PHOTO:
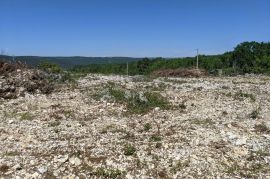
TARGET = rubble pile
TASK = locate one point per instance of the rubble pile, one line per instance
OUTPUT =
(17, 79)
(216, 127)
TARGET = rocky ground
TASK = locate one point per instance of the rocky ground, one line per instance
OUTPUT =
(135, 127)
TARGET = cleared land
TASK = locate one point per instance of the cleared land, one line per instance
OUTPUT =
(123, 127)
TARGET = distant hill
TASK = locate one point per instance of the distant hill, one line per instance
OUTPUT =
(69, 62)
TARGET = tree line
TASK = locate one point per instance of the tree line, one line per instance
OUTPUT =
(247, 57)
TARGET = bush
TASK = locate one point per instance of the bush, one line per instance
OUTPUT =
(50, 67)
(139, 106)
(129, 150)
(107, 173)
(240, 95)
(147, 126)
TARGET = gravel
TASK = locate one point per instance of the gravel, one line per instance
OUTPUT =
(209, 132)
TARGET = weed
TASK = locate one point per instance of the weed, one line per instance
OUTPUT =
(140, 106)
(175, 81)
(129, 150)
(155, 138)
(147, 126)
(12, 153)
(254, 114)
(118, 95)
(180, 165)
(54, 123)
(203, 122)
(262, 128)
(56, 130)
(26, 116)
(241, 95)
(107, 173)
(259, 154)
(182, 105)
(232, 168)
(159, 87)
(158, 145)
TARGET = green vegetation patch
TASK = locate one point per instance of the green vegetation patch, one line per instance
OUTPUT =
(129, 150)
(108, 173)
(26, 116)
(135, 102)
(241, 96)
(147, 101)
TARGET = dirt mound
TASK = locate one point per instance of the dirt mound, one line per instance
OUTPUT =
(181, 72)
(17, 79)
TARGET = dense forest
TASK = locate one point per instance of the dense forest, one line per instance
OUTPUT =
(247, 57)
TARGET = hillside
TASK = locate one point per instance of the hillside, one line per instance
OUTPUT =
(69, 62)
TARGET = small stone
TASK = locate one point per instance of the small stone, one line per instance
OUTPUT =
(17, 167)
(75, 161)
(10, 121)
(61, 159)
(35, 175)
(241, 141)
(42, 169)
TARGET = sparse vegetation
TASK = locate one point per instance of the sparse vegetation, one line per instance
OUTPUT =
(138, 105)
(254, 114)
(262, 128)
(54, 123)
(203, 122)
(26, 116)
(147, 126)
(180, 165)
(129, 150)
(155, 138)
(241, 96)
(117, 94)
(108, 173)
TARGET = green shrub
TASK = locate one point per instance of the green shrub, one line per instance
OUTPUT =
(140, 106)
(254, 114)
(155, 138)
(26, 116)
(118, 95)
(107, 173)
(49, 67)
(147, 126)
(241, 95)
(129, 150)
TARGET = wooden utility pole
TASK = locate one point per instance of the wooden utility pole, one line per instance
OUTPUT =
(197, 58)
(127, 68)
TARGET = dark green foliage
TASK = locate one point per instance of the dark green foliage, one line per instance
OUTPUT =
(247, 57)
(143, 66)
(254, 114)
(147, 126)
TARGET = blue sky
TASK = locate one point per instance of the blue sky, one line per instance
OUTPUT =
(136, 28)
